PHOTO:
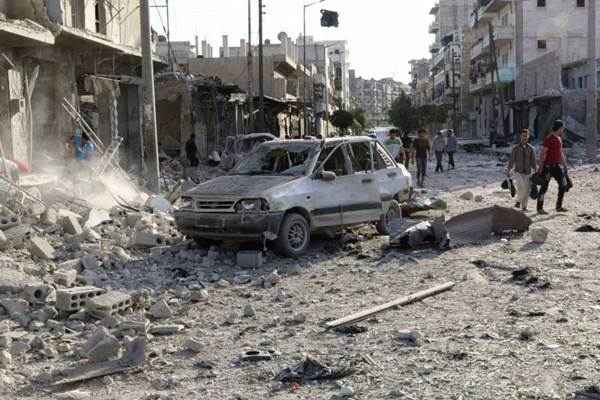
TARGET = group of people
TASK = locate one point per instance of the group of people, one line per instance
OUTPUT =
(420, 149)
(552, 164)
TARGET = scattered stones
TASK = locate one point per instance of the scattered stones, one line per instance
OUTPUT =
(5, 341)
(249, 311)
(408, 337)
(74, 395)
(5, 359)
(539, 235)
(526, 333)
(468, 196)
(64, 347)
(344, 393)
(161, 310)
(478, 199)
(199, 295)
(169, 329)
(222, 284)
(15, 306)
(101, 346)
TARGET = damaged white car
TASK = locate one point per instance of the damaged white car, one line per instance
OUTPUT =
(286, 190)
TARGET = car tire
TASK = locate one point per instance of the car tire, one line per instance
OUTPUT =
(294, 236)
(384, 226)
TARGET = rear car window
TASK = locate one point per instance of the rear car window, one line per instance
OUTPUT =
(360, 156)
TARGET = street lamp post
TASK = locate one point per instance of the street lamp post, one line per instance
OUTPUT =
(304, 60)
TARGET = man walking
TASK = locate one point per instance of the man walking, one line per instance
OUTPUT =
(451, 147)
(191, 151)
(393, 144)
(552, 162)
(422, 150)
(522, 161)
(439, 147)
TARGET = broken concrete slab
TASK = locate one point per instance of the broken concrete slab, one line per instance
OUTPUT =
(133, 358)
(161, 310)
(71, 225)
(163, 330)
(479, 225)
(49, 217)
(96, 217)
(15, 306)
(40, 248)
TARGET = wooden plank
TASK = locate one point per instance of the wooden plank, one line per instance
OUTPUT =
(362, 315)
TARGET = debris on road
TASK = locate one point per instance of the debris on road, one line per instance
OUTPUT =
(311, 369)
(365, 314)
(423, 234)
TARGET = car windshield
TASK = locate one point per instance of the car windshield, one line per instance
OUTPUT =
(287, 159)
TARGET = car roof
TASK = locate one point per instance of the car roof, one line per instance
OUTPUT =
(330, 141)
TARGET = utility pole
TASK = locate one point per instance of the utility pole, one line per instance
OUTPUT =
(304, 70)
(169, 49)
(250, 72)
(150, 134)
(261, 84)
(498, 94)
(454, 97)
(592, 100)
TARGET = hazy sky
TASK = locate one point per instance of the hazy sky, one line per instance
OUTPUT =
(383, 35)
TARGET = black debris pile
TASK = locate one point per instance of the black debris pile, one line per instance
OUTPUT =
(311, 369)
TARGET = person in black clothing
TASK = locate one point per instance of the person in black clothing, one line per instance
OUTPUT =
(191, 151)
(407, 145)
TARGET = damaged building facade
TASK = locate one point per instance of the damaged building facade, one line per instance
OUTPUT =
(78, 52)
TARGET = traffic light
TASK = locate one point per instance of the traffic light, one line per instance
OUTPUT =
(329, 19)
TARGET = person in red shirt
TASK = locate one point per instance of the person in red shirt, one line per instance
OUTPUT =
(553, 164)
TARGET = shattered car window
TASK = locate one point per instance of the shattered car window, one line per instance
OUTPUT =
(278, 159)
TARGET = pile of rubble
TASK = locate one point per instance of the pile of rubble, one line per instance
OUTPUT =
(57, 295)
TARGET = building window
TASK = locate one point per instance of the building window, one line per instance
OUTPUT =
(541, 3)
(78, 14)
(580, 3)
(100, 14)
(580, 82)
(541, 44)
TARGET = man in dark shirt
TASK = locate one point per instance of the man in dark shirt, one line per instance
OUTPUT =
(553, 164)
(191, 151)
(422, 150)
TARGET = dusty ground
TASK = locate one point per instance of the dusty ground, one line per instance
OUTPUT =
(488, 338)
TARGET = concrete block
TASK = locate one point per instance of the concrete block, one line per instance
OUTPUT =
(37, 294)
(8, 222)
(110, 303)
(146, 238)
(96, 217)
(71, 264)
(62, 212)
(66, 277)
(161, 310)
(250, 259)
(72, 300)
(71, 225)
(15, 307)
(18, 234)
(49, 217)
(40, 248)
(107, 349)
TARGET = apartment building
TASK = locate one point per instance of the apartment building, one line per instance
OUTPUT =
(420, 84)
(85, 51)
(493, 27)
(551, 61)
(375, 97)
(283, 77)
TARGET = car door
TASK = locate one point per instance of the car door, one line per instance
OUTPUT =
(365, 202)
(390, 177)
(326, 197)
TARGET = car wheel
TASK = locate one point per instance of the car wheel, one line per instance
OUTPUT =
(294, 236)
(391, 219)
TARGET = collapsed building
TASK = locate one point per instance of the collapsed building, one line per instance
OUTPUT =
(72, 54)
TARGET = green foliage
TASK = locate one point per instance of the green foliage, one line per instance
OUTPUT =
(342, 120)
(410, 118)
(360, 119)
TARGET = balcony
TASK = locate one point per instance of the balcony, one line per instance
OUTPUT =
(493, 6)
(434, 27)
(434, 48)
(483, 83)
(504, 34)
(438, 60)
(435, 9)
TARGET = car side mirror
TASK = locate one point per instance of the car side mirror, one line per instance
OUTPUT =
(327, 176)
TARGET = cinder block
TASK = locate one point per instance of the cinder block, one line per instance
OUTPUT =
(37, 294)
(109, 304)
(71, 225)
(145, 238)
(72, 300)
(250, 259)
(18, 233)
(66, 277)
(8, 222)
(41, 248)
(49, 217)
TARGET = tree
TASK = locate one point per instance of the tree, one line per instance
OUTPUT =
(404, 115)
(342, 120)
(359, 120)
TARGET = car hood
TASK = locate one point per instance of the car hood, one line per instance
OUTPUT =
(240, 185)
